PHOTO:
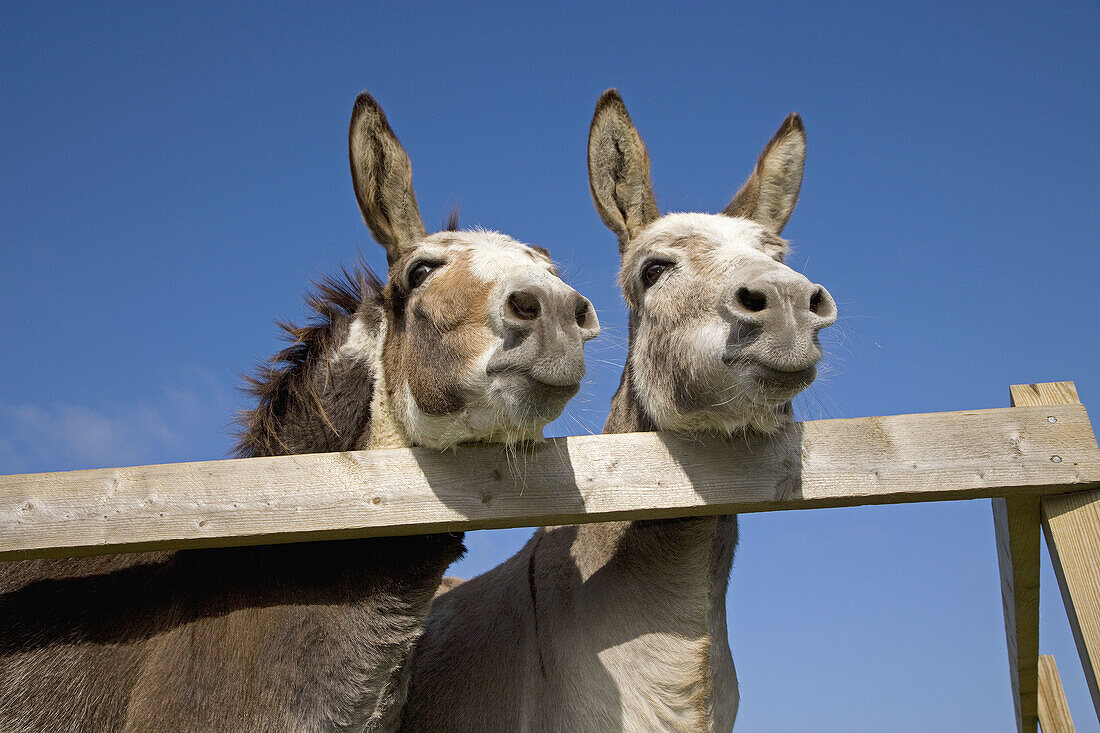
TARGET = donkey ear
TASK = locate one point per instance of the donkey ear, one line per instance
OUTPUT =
(771, 192)
(618, 170)
(382, 176)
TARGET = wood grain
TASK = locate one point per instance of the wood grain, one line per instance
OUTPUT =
(1044, 393)
(874, 460)
(1017, 528)
(1016, 522)
(1071, 524)
(1054, 714)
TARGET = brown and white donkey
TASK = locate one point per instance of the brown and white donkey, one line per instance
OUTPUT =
(474, 338)
(622, 626)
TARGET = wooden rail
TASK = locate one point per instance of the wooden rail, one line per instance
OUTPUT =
(1009, 452)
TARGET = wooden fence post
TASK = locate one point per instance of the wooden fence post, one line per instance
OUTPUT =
(1054, 714)
(1071, 523)
(1016, 524)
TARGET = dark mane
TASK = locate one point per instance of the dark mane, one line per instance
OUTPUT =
(450, 223)
(288, 378)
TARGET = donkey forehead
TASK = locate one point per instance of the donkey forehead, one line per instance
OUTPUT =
(489, 256)
(707, 235)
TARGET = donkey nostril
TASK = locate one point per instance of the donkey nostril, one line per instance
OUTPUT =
(752, 300)
(816, 300)
(581, 313)
(524, 306)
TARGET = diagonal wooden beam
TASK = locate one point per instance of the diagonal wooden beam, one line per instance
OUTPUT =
(1071, 524)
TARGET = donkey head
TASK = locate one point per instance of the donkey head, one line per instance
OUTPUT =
(723, 334)
(483, 340)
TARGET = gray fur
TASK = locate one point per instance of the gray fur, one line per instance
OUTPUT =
(771, 192)
(618, 170)
(382, 177)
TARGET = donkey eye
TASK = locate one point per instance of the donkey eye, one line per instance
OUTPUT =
(653, 271)
(419, 273)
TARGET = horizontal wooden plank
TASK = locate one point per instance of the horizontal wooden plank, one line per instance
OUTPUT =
(827, 463)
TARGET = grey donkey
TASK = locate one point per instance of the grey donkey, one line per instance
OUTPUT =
(621, 626)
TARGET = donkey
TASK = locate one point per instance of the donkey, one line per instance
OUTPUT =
(474, 338)
(622, 626)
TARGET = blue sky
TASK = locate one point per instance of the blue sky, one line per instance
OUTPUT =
(175, 174)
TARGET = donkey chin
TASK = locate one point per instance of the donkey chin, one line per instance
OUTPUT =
(505, 407)
(766, 386)
(772, 383)
(735, 393)
(529, 396)
(529, 402)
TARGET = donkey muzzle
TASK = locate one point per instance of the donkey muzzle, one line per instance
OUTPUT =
(545, 326)
(777, 316)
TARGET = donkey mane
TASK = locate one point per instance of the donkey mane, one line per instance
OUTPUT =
(289, 376)
(450, 222)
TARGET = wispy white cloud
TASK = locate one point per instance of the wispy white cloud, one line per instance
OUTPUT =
(80, 431)
(187, 420)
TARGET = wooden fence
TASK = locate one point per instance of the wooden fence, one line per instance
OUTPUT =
(1037, 460)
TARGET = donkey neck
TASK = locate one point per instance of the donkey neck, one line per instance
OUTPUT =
(628, 415)
(386, 431)
(677, 572)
